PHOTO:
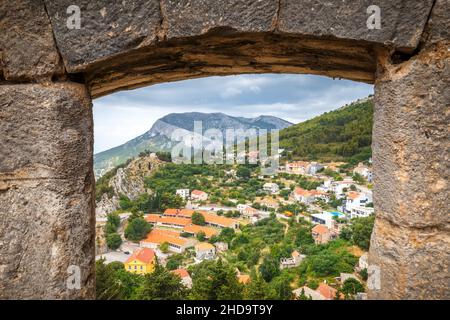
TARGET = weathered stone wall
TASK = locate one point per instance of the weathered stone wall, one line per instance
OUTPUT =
(411, 156)
(130, 44)
(46, 180)
(46, 191)
(411, 239)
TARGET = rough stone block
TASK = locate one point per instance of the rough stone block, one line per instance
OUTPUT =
(42, 132)
(438, 28)
(414, 263)
(402, 21)
(27, 48)
(184, 18)
(411, 141)
(107, 28)
(46, 192)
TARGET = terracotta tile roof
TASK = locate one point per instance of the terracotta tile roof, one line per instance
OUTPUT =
(159, 236)
(250, 210)
(320, 229)
(194, 229)
(152, 218)
(302, 192)
(204, 246)
(295, 253)
(298, 164)
(326, 291)
(183, 213)
(144, 255)
(182, 273)
(197, 192)
(353, 195)
(218, 220)
(244, 278)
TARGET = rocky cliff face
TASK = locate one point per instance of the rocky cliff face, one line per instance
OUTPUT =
(128, 181)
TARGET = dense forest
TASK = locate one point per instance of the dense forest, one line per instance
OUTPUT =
(343, 134)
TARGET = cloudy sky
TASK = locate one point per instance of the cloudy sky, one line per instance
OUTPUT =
(123, 116)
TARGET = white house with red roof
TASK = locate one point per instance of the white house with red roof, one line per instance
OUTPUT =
(186, 279)
(198, 195)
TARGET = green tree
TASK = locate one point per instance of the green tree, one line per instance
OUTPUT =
(161, 284)
(164, 247)
(303, 296)
(350, 287)
(137, 229)
(243, 172)
(270, 268)
(174, 261)
(113, 241)
(201, 236)
(215, 281)
(198, 219)
(258, 289)
(364, 274)
(362, 231)
(112, 223)
(107, 285)
(282, 287)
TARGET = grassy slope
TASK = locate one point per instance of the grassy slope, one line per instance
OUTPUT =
(342, 134)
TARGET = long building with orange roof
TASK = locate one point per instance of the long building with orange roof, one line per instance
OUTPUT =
(214, 220)
(158, 236)
(180, 213)
(167, 221)
(195, 229)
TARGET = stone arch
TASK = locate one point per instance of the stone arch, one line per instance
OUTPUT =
(51, 69)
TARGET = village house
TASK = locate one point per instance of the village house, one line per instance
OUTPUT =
(303, 196)
(329, 293)
(364, 171)
(176, 243)
(186, 279)
(321, 234)
(356, 199)
(359, 212)
(221, 247)
(142, 261)
(183, 193)
(297, 167)
(204, 251)
(241, 207)
(197, 195)
(326, 186)
(313, 168)
(308, 292)
(292, 262)
(270, 203)
(250, 212)
(271, 187)
(339, 187)
(326, 218)
(309, 196)
(323, 292)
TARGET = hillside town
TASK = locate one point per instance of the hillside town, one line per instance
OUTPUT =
(304, 200)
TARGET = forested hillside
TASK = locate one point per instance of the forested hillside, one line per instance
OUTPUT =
(342, 134)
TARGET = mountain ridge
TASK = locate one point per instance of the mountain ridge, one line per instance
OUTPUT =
(158, 138)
